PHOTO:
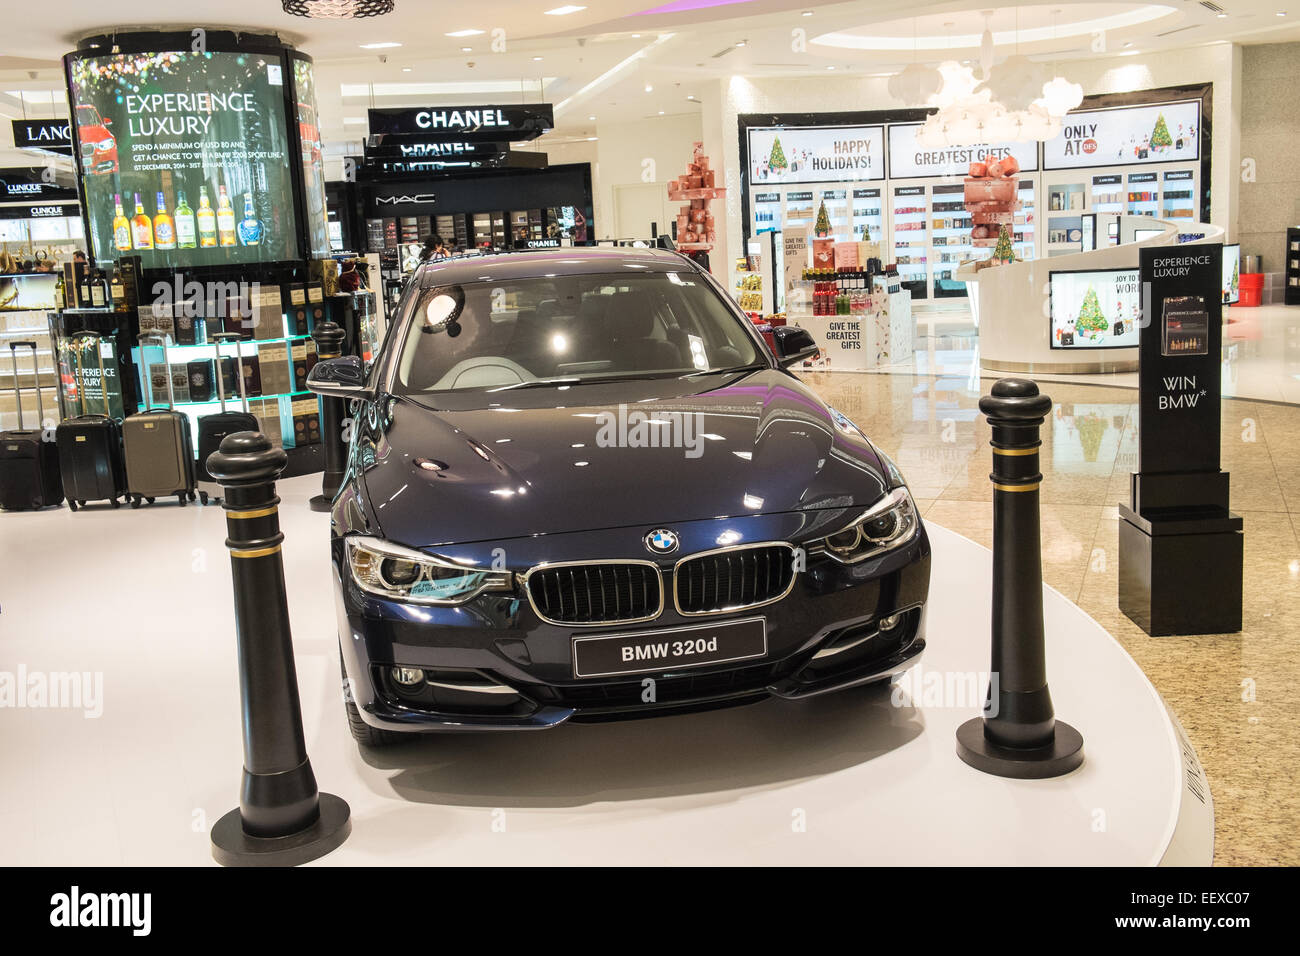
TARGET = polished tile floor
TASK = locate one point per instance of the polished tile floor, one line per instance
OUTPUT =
(1261, 351)
(1234, 693)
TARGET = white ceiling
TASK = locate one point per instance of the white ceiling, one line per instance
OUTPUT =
(598, 62)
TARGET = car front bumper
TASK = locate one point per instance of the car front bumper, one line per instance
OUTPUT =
(493, 664)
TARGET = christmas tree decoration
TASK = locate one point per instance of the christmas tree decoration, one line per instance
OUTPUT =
(776, 161)
(1091, 319)
(1160, 138)
(1003, 251)
(696, 228)
(823, 228)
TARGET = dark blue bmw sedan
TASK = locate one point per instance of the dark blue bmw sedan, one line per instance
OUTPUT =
(582, 487)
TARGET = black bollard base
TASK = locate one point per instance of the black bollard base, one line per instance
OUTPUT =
(231, 846)
(320, 503)
(1063, 755)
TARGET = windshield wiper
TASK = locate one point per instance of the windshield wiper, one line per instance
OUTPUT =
(757, 366)
(536, 383)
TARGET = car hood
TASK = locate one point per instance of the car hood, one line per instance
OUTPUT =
(457, 468)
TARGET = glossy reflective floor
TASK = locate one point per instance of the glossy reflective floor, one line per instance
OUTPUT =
(1235, 694)
(1261, 347)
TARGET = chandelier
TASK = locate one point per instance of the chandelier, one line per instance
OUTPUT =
(337, 9)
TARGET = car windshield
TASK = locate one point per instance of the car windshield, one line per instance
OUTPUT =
(569, 329)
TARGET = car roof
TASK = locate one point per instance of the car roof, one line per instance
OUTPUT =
(573, 260)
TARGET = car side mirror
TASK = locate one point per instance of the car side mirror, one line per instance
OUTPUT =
(793, 344)
(343, 377)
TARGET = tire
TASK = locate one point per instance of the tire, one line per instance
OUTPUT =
(203, 497)
(150, 500)
(362, 732)
(135, 502)
(182, 499)
(72, 505)
(115, 503)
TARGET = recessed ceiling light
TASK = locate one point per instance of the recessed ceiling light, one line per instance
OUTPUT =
(830, 67)
(406, 69)
(537, 59)
(807, 13)
(636, 36)
(740, 42)
(564, 11)
(464, 33)
(385, 45)
(661, 112)
(591, 118)
(591, 139)
(467, 49)
(649, 88)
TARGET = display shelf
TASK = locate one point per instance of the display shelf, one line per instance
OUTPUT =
(1291, 272)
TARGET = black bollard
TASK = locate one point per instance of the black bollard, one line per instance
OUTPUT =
(282, 820)
(329, 338)
(1022, 738)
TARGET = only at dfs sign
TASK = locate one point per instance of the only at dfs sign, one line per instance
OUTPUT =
(1126, 135)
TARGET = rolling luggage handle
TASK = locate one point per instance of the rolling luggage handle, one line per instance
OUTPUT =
(171, 393)
(219, 338)
(18, 392)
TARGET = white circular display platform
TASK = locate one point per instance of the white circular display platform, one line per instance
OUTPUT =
(868, 776)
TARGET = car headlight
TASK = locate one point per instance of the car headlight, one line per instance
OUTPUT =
(890, 522)
(104, 145)
(392, 571)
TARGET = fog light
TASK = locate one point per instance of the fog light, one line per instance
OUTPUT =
(407, 676)
(891, 622)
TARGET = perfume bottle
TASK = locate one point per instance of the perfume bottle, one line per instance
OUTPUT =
(164, 232)
(121, 226)
(225, 218)
(250, 227)
(207, 220)
(186, 232)
(141, 227)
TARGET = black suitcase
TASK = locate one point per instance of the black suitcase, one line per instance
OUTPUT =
(213, 428)
(159, 447)
(90, 447)
(29, 465)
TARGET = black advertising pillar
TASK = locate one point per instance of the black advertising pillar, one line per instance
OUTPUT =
(329, 338)
(1019, 735)
(282, 819)
(1180, 548)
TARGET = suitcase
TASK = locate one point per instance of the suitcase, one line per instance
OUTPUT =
(213, 428)
(29, 465)
(90, 447)
(159, 448)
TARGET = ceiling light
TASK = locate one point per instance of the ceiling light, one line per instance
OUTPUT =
(537, 59)
(636, 36)
(661, 112)
(406, 69)
(467, 49)
(740, 42)
(464, 33)
(649, 88)
(591, 118)
(564, 11)
(807, 13)
(1222, 16)
(830, 67)
(591, 139)
(383, 45)
(336, 9)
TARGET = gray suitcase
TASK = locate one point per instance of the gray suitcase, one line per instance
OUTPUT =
(159, 445)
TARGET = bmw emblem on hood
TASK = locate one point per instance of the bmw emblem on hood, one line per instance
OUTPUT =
(661, 541)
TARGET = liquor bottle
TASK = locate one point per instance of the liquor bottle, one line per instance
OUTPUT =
(186, 232)
(164, 232)
(225, 218)
(250, 227)
(121, 226)
(207, 220)
(141, 227)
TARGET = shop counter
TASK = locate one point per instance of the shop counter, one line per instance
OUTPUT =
(882, 335)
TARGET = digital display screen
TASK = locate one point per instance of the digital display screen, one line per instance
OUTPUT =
(35, 291)
(313, 163)
(1231, 273)
(1098, 309)
(185, 157)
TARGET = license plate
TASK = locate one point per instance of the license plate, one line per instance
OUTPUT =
(644, 651)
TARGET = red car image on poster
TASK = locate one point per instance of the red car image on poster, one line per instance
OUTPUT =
(98, 146)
